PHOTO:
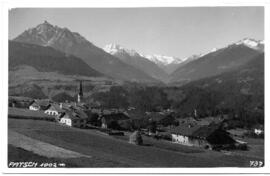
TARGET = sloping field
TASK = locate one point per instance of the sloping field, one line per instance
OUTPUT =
(40, 148)
(89, 142)
(17, 154)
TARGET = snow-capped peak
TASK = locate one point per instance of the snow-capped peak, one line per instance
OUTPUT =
(251, 43)
(115, 48)
(163, 60)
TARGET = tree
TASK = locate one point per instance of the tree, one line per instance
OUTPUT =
(116, 97)
(152, 127)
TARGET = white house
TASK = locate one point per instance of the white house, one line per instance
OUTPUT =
(258, 131)
(54, 109)
(39, 105)
(74, 119)
(34, 106)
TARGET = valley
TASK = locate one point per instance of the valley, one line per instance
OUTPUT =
(73, 102)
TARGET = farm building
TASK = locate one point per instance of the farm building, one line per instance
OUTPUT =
(207, 136)
(39, 105)
(74, 119)
(110, 120)
(54, 109)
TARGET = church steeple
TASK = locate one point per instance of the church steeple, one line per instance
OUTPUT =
(80, 94)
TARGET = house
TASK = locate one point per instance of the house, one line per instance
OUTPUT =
(206, 136)
(73, 119)
(258, 131)
(54, 109)
(110, 120)
(39, 105)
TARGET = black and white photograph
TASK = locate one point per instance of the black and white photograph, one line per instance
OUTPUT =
(136, 87)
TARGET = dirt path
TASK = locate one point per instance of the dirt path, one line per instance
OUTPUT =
(41, 148)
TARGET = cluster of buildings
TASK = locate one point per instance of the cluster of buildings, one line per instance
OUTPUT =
(207, 133)
(73, 114)
(70, 114)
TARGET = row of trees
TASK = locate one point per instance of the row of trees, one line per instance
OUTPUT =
(143, 99)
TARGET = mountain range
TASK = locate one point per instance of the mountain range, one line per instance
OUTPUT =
(72, 43)
(52, 48)
(214, 63)
(131, 57)
(239, 90)
(47, 59)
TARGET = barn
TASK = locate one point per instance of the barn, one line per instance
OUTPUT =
(206, 136)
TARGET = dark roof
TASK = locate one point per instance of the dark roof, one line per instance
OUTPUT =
(69, 114)
(43, 103)
(75, 114)
(55, 107)
(202, 121)
(205, 131)
(185, 129)
(198, 131)
(209, 120)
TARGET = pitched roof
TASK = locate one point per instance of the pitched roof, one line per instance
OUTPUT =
(209, 120)
(205, 131)
(55, 107)
(198, 131)
(69, 114)
(75, 114)
(202, 121)
(41, 102)
(185, 129)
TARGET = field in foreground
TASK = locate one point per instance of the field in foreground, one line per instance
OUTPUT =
(107, 151)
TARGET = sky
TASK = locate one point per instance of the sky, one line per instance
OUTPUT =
(175, 31)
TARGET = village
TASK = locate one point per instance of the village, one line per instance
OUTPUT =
(207, 133)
